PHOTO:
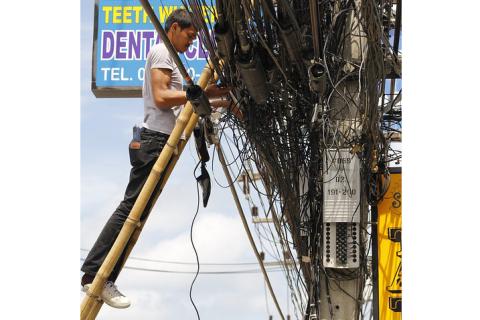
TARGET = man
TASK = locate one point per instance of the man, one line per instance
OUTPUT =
(163, 100)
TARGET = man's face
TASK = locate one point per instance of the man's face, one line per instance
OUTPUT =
(183, 38)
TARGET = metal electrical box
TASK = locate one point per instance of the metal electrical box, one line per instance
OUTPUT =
(341, 186)
(341, 245)
(341, 209)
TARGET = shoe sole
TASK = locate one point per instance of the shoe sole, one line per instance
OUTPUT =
(113, 306)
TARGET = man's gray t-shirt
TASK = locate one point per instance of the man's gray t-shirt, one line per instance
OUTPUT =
(162, 120)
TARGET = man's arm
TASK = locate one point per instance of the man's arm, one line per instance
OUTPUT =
(163, 96)
(166, 98)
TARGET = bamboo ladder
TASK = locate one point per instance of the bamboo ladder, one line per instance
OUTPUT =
(187, 120)
(163, 167)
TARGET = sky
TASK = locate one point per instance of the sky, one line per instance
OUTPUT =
(106, 126)
(42, 120)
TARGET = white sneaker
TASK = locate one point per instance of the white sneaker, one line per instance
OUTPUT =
(111, 296)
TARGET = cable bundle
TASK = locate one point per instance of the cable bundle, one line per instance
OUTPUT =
(308, 76)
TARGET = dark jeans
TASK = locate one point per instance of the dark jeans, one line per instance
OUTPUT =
(142, 159)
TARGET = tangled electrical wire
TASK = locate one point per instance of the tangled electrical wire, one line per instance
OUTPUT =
(309, 76)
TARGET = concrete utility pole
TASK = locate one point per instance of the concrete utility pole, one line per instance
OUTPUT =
(340, 299)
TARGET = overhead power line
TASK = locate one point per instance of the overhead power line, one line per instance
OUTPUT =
(191, 263)
(201, 272)
(205, 272)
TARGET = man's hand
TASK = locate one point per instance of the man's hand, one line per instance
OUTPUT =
(214, 91)
(220, 102)
(225, 102)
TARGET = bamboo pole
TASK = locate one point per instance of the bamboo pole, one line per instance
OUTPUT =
(247, 229)
(91, 303)
(95, 309)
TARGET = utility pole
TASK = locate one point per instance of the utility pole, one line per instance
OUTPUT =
(344, 216)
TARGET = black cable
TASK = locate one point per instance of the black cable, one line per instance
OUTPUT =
(193, 245)
(281, 138)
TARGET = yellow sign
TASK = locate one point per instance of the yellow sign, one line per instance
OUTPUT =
(389, 231)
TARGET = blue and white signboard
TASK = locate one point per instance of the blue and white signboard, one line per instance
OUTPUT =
(123, 36)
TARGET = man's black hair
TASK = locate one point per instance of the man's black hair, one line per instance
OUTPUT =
(181, 16)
